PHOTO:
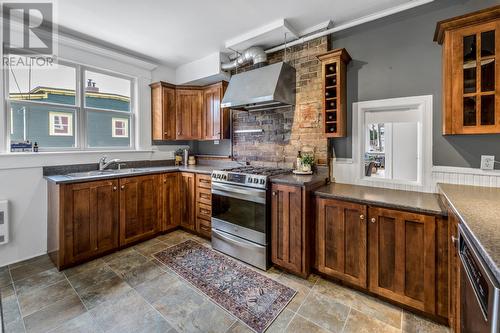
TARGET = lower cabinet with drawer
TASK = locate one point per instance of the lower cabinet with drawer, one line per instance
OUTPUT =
(203, 205)
(398, 255)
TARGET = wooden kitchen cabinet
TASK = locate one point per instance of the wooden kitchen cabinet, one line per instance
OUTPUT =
(189, 103)
(215, 120)
(288, 229)
(454, 267)
(402, 257)
(187, 203)
(334, 89)
(138, 208)
(204, 205)
(163, 111)
(341, 246)
(471, 72)
(189, 112)
(169, 201)
(90, 220)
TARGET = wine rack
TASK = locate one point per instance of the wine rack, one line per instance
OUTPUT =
(333, 73)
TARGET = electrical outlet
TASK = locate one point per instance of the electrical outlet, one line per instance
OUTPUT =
(487, 162)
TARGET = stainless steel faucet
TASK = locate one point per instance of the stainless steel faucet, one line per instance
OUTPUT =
(103, 164)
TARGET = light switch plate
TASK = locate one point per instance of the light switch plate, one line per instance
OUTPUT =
(487, 162)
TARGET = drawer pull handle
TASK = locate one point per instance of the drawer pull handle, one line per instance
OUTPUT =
(361, 217)
(373, 220)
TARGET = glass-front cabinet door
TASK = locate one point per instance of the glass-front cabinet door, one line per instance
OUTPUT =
(475, 92)
(471, 75)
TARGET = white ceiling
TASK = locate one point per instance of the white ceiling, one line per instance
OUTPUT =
(175, 32)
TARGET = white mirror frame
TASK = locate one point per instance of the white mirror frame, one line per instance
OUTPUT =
(421, 104)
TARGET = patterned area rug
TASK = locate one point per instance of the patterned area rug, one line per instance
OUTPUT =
(253, 298)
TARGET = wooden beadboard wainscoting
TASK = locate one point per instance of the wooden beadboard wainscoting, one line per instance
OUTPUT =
(344, 172)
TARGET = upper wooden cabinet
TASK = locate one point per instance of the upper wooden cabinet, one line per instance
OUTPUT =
(333, 74)
(188, 112)
(471, 72)
(215, 121)
(341, 233)
(163, 111)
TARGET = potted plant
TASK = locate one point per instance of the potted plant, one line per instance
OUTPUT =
(307, 163)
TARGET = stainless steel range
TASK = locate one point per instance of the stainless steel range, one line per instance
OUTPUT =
(241, 213)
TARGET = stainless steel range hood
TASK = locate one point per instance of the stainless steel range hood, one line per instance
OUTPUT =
(264, 88)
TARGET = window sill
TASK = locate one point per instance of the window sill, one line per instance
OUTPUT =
(37, 160)
(69, 152)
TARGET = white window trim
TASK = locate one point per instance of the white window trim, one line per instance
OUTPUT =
(81, 142)
(417, 103)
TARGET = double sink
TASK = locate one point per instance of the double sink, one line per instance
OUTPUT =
(109, 172)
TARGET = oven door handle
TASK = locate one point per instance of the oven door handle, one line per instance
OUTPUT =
(232, 239)
(258, 196)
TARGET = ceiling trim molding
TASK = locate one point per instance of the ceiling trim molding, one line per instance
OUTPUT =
(104, 51)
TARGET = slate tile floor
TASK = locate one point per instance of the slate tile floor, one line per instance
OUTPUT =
(129, 291)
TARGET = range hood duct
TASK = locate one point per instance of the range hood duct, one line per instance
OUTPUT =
(255, 54)
(264, 88)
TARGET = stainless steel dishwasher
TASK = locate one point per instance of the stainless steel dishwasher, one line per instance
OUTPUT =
(479, 291)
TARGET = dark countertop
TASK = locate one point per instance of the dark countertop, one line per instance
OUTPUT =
(300, 180)
(418, 202)
(65, 179)
(478, 209)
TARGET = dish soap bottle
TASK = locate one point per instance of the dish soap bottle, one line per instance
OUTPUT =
(35, 147)
(299, 161)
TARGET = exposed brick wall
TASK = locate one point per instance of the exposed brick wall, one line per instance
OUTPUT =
(287, 130)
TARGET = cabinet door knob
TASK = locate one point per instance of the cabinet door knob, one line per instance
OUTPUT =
(122, 187)
(373, 220)
(114, 188)
(361, 217)
(454, 239)
(274, 192)
(164, 181)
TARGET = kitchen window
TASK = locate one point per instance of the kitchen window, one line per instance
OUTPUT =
(70, 107)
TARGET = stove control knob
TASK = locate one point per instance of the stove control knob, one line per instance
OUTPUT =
(262, 181)
(249, 179)
(218, 176)
(224, 177)
(255, 180)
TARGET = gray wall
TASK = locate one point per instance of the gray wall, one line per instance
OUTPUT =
(396, 57)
